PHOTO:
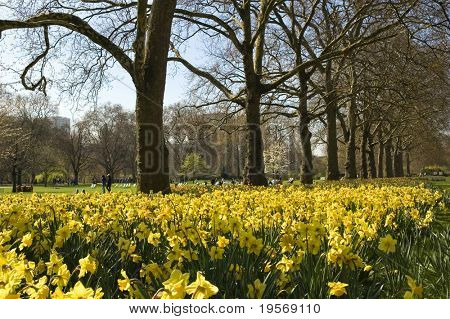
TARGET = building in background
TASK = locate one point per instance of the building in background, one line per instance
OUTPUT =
(61, 123)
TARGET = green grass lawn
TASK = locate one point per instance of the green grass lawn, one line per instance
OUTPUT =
(6, 189)
(68, 190)
(445, 185)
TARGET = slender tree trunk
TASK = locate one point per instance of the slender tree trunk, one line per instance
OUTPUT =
(307, 173)
(401, 171)
(372, 164)
(294, 163)
(45, 179)
(380, 154)
(363, 152)
(243, 158)
(408, 164)
(14, 179)
(332, 146)
(350, 164)
(332, 142)
(19, 176)
(238, 160)
(388, 150)
(228, 158)
(152, 153)
(305, 134)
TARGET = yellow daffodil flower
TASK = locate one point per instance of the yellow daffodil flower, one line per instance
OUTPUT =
(201, 288)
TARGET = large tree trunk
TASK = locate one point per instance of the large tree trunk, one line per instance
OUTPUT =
(363, 152)
(305, 134)
(253, 63)
(254, 170)
(152, 153)
(398, 163)
(350, 164)
(380, 155)
(388, 150)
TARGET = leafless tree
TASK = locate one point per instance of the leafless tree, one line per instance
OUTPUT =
(108, 130)
(135, 34)
(75, 147)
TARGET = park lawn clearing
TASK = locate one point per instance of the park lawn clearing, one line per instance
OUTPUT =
(69, 189)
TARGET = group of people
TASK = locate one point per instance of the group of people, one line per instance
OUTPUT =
(221, 181)
(106, 183)
(218, 182)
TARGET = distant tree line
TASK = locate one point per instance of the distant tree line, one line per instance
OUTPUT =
(202, 144)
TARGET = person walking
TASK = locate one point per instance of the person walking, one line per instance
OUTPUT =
(103, 184)
(109, 183)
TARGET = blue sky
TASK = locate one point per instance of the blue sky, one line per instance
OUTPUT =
(118, 91)
(122, 88)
